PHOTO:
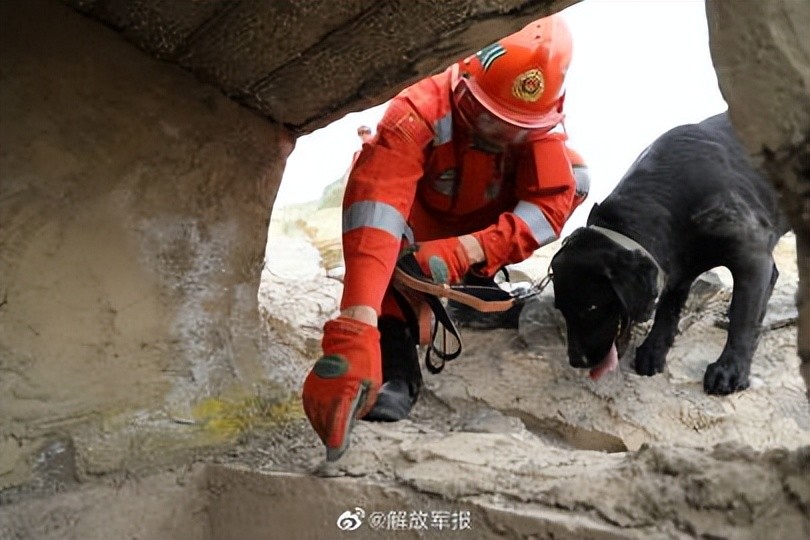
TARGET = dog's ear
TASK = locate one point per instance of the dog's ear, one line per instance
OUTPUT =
(633, 277)
(561, 257)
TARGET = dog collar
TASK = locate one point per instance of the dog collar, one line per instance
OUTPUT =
(628, 243)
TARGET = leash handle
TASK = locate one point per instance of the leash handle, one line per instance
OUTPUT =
(455, 293)
(417, 292)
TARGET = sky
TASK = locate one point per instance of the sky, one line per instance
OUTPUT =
(639, 68)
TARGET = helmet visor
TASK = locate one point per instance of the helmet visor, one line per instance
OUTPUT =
(485, 117)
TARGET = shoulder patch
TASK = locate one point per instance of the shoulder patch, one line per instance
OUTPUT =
(402, 119)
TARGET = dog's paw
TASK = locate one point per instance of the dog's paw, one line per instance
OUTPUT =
(650, 359)
(724, 377)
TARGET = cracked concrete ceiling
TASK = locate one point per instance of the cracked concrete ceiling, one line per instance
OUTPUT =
(305, 63)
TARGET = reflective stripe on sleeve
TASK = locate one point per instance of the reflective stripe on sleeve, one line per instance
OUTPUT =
(377, 215)
(583, 180)
(538, 223)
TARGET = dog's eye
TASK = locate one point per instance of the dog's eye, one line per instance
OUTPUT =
(590, 313)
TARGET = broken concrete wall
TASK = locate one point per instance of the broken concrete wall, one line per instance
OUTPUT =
(762, 57)
(134, 204)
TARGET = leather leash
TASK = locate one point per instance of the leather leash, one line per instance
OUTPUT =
(427, 300)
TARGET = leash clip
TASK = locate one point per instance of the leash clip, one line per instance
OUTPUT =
(538, 286)
(548, 278)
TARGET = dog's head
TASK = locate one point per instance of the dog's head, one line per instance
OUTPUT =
(601, 289)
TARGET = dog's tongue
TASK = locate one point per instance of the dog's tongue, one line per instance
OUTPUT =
(608, 364)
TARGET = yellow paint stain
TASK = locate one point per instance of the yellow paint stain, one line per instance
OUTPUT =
(228, 418)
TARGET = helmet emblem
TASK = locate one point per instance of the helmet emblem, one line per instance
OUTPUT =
(529, 85)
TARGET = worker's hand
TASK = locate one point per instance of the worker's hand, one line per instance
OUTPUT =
(446, 261)
(342, 385)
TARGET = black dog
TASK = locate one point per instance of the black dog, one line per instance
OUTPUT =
(691, 202)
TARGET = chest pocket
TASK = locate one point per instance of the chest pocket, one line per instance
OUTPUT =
(439, 186)
(460, 190)
(481, 181)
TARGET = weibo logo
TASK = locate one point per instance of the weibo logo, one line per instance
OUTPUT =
(351, 521)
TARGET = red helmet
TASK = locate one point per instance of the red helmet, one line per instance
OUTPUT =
(515, 85)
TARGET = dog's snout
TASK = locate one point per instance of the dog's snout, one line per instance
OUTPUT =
(578, 361)
(576, 357)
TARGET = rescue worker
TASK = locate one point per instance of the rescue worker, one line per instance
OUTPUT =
(365, 135)
(364, 132)
(468, 169)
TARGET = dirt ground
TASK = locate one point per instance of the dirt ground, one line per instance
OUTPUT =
(507, 442)
(511, 405)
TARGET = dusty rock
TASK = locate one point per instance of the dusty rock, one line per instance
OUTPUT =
(169, 505)
(306, 64)
(762, 59)
(133, 214)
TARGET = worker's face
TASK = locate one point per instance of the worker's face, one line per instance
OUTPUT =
(486, 124)
(496, 131)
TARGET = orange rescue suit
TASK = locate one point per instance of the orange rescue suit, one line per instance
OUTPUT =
(425, 177)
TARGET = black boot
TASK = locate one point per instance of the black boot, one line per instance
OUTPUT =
(402, 377)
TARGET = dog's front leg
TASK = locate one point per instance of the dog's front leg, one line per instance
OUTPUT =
(651, 356)
(753, 285)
